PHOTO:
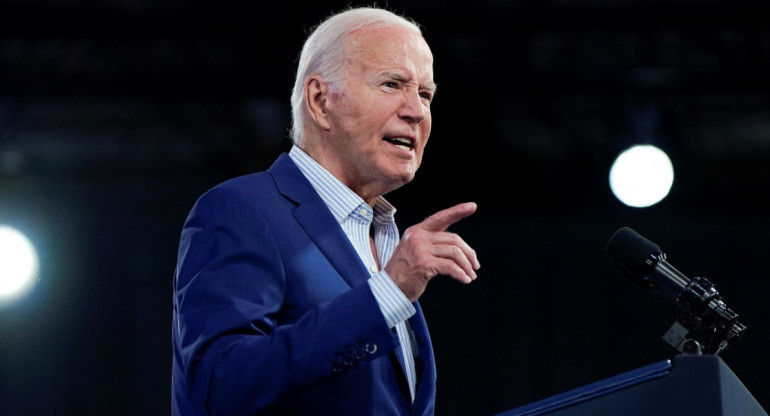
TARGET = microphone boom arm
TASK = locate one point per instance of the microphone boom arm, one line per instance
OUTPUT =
(700, 306)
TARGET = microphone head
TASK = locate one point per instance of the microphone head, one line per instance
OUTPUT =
(634, 256)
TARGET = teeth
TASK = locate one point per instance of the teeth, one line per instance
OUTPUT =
(402, 141)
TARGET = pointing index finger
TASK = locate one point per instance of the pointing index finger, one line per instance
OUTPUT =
(441, 220)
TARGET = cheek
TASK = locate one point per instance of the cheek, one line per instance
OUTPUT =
(425, 128)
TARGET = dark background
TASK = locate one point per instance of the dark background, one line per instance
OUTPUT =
(116, 114)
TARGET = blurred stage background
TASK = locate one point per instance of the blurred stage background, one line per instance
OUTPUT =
(116, 114)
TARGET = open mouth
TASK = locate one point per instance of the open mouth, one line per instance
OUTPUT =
(402, 142)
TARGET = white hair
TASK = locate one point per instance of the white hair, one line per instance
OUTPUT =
(325, 53)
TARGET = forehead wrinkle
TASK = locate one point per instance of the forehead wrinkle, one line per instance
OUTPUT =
(359, 46)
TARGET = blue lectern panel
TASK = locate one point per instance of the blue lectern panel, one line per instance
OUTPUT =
(593, 390)
(690, 386)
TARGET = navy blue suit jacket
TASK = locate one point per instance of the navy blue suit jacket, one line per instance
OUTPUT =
(273, 315)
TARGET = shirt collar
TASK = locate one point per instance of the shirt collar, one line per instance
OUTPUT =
(340, 199)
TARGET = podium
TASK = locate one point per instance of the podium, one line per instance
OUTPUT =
(697, 385)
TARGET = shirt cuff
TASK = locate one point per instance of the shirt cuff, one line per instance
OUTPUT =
(395, 306)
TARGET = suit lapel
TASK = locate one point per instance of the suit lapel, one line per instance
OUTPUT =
(314, 216)
(424, 362)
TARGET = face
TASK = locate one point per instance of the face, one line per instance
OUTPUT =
(380, 120)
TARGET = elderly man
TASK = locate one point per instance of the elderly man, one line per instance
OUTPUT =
(294, 293)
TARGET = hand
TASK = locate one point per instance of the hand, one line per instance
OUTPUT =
(426, 250)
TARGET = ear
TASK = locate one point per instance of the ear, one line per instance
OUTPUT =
(316, 94)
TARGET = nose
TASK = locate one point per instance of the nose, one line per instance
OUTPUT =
(413, 109)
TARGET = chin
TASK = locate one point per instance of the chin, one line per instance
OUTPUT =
(406, 178)
(401, 176)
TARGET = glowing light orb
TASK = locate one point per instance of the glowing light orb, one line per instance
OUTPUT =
(19, 264)
(641, 176)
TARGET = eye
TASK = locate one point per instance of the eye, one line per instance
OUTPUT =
(427, 96)
(390, 84)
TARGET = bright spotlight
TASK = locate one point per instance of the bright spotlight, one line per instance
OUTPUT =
(641, 176)
(19, 265)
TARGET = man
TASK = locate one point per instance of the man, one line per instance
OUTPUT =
(293, 292)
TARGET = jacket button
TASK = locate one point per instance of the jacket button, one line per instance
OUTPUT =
(348, 360)
(337, 367)
(371, 348)
(360, 353)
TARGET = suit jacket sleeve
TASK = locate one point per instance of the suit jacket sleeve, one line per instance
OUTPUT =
(241, 344)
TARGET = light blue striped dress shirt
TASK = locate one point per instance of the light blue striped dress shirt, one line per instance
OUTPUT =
(356, 219)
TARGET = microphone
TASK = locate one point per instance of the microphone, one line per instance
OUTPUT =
(700, 305)
(643, 262)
